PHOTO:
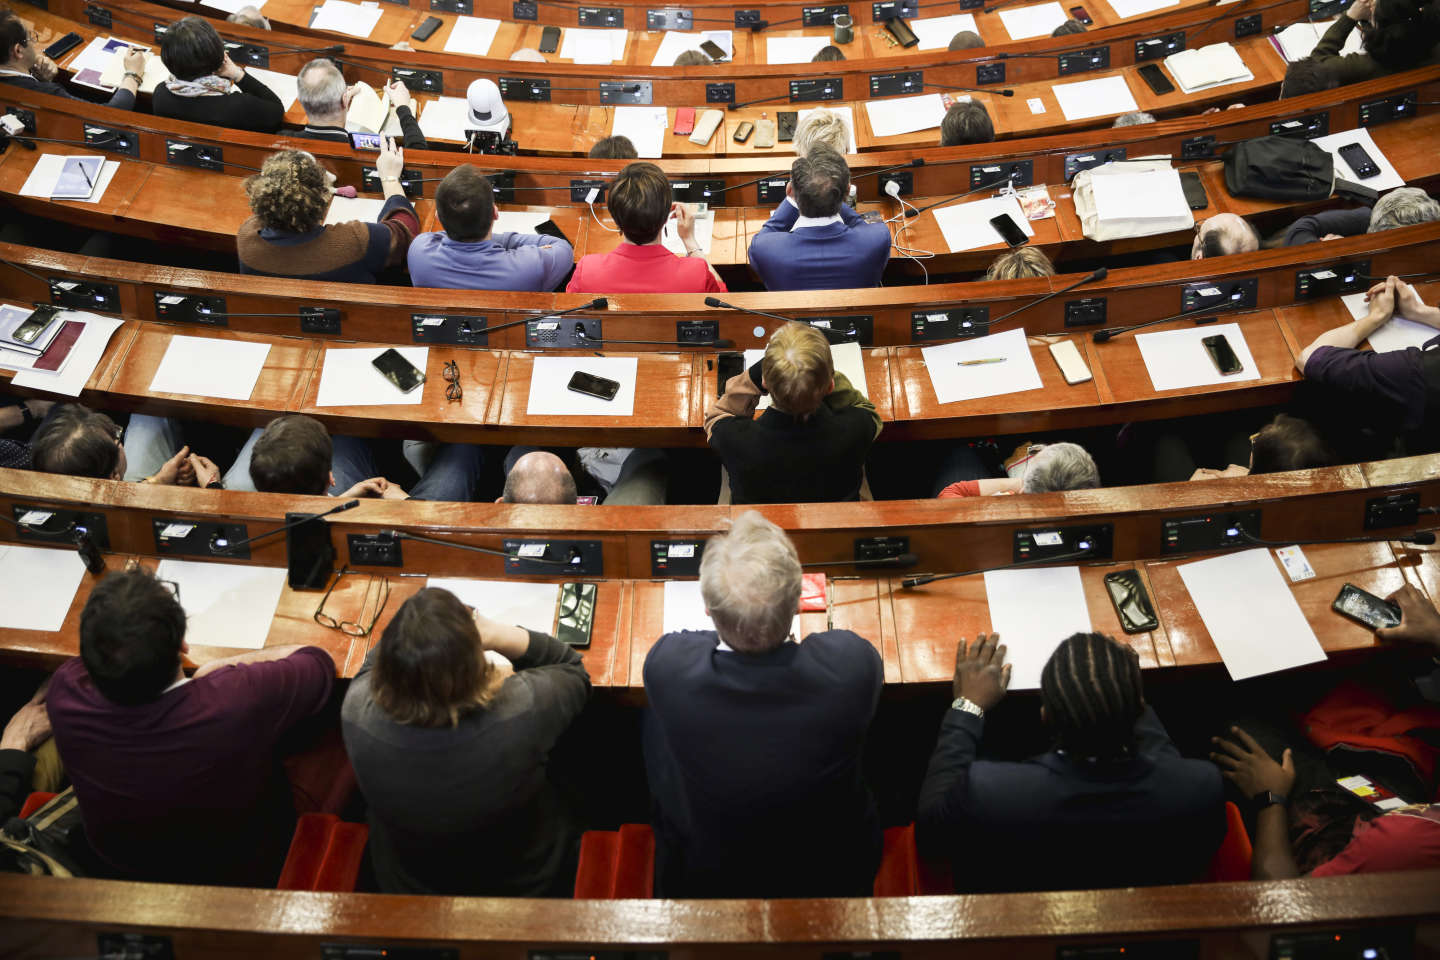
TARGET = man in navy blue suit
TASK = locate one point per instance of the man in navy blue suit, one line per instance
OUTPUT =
(814, 241)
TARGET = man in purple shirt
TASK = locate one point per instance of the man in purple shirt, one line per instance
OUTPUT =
(177, 778)
(1399, 387)
(468, 255)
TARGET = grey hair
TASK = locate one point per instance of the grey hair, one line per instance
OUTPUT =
(321, 87)
(1060, 466)
(822, 127)
(251, 17)
(750, 580)
(1133, 119)
(1403, 207)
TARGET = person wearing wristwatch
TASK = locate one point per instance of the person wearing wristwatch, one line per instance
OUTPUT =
(1113, 804)
(25, 65)
(1399, 35)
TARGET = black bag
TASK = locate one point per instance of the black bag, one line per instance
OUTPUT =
(41, 843)
(1279, 168)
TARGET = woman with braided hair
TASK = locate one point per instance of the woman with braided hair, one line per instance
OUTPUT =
(1112, 804)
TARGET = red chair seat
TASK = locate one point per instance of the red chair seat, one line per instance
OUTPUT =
(325, 854)
(1232, 860)
(899, 873)
(34, 802)
(595, 874)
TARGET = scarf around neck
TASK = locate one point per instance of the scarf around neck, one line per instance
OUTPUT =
(209, 86)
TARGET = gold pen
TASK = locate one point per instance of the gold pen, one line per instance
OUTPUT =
(976, 363)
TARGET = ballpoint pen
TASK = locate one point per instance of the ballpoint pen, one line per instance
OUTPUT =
(976, 363)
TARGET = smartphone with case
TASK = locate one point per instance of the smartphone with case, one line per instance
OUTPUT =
(684, 121)
(1359, 161)
(549, 39)
(399, 371)
(786, 120)
(593, 386)
(1194, 189)
(764, 132)
(742, 132)
(714, 51)
(705, 126)
(35, 324)
(1132, 602)
(1079, 14)
(1222, 355)
(1365, 608)
(427, 29)
(63, 46)
(1006, 226)
(1156, 80)
(576, 614)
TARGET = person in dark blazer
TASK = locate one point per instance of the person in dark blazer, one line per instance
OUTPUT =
(814, 241)
(1114, 804)
(753, 741)
(206, 86)
(323, 93)
(1399, 35)
(26, 66)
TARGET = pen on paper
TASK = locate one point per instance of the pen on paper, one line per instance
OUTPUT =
(976, 363)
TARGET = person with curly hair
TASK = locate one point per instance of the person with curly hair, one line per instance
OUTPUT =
(288, 235)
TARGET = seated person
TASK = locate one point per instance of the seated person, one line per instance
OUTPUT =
(617, 147)
(814, 240)
(966, 122)
(26, 66)
(538, 477)
(1222, 235)
(1134, 118)
(753, 739)
(1068, 27)
(468, 255)
(20, 420)
(693, 58)
(1285, 443)
(810, 445)
(76, 441)
(828, 54)
(822, 126)
(1113, 805)
(1020, 263)
(455, 715)
(1401, 207)
(205, 86)
(295, 454)
(1399, 35)
(965, 40)
(326, 98)
(23, 743)
(640, 200)
(288, 236)
(251, 17)
(1306, 76)
(1035, 468)
(175, 776)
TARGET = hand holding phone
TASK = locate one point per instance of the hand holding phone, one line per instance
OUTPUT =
(1365, 608)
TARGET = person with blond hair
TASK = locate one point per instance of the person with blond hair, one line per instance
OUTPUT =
(1020, 263)
(822, 126)
(753, 739)
(810, 445)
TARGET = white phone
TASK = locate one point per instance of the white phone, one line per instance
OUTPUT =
(1071, 364)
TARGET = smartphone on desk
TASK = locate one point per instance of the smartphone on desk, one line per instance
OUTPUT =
(1009, 230)
(1156, 80)
(714, 51)
(1132, 602)
(1358, 160)
(29, 331)
(1079, 14)
(742, 132)
(427, 29)
(1222, 355)
(592, 386)
(549, 39)
(399, 371)
(576, 615)
(1194, 190)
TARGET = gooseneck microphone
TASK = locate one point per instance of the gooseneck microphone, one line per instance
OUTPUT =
(224, 547)
(1003, 92)
(1094, 277)
(1419, 537)
(832, 335)
(599, 303)
(1085, 549)
(402, 535)
(717, 344)
(916, 211)
(903, 561)
(1201, 317)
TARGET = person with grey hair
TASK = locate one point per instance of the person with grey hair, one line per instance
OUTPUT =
(251, 17)
(323, 93)
(753, 741)
(1401, 207)
(814, 240)
(822, 127)
(1222, 235)
(1133, 119)
(969, 471)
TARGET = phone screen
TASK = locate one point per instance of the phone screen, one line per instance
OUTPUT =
(1222, 355)
(576, 615)
(1194, 190)
(1156, 80)
(593, 386)
(1358, 160)
(1006, 226)
(398, 370)
(713, 50)
(549, 39)
(366, 141)
(35, 324)
(1364, 607)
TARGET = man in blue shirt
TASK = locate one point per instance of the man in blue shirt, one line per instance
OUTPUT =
(814, 241)
(469, 256)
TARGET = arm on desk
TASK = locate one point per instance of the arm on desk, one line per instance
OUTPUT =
(1352, 334)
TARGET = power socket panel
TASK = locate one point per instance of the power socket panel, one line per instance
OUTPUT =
(1196, 148)
(905, 179)
(986, 73)
(676, 558)
(1045, 542)
(1332, 281)
(697, 191)
(720, 92)
(1209, 294)
(1078, 162)
(1089, 312)
(853, 328)
(619, 92)
(525, 10)
(325, 320)
(606, 17)
(748, 20)
(880, 548)
(174, 307)
(538, 558)
(580, 189)
(1019, 172)
(88, 295)
(1307, 127)
(419, 81)
(449, 328)
(98, 16)
(563, 333)
(26, 117)
(1084, 61)
(697, 331)
(1207, 531)
(373, 550)
(954, 323)
(110, 139)
(1249, 26)
(409, 181)
(1394, 510)
(1156, 48)
(55, 525)
(528, 89)
(181, 154)
(195, 538)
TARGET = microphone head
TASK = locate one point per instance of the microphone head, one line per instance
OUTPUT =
(715, 302)
(599, 303)
(905, 560)
(1422, 537)
(1100, 274)
(349, 505)
(918, 162)
(1101, 336)
(723, 344)
(1007, 93)
(732, 106)
(909, 582)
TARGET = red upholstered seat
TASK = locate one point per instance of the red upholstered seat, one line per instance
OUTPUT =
(325, 854)
(635, 864)
(595, 874)
(1232, 860)
(899, 873)
(34, 802)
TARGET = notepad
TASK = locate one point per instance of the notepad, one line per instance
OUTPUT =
(1217, 65)
(966, 226)
(78, 179)
(348, 378)
(845, 113)
(589, 45)
(1251, 613)
(889, 118)
(1039, 20)
(1176, 359)
(518, 602)
(794, 49)
(283, 85)
(472, 35)
(1386, 179)
(226, 604)
(85, 356)
(46, 173)
(1034, 611)
(154, 74)
(1297, 41)
(40, 583)
(934, 33)
(445, 118)
(676, 42)
(1131, 192)
(953, 382)
(1398, 333)
(550, 395)
(848, 358)
(341, 16)
(346, 209)
(645, 126)
(704, 232)
(1124, 9)
(1094, 98)
(685, 610)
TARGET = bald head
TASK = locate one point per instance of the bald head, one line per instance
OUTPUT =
(1222, 235)
(539, 477)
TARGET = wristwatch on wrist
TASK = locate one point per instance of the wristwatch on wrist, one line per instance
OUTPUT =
(389, 179)
(965, 705)
(26, 417)
(131, 74)
(693, 253)
(1267, 798)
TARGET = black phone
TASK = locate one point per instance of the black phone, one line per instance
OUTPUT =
(90, 554)
(1222, 355)
(550, 229)
(549, 39)
(1079, 14)
(35, 324)
(1366, 608)
(309, 554)
(1132, 602)
(366, 141)
(1156, 80)
(742, 132)
(576, 614)
(727, 365)
(426, 29)
(1194, 188)
(785, 123)
(1359, 161)
(62, 46)
(714, 51)
(1006, 226)
(399, 371)
(593, 386)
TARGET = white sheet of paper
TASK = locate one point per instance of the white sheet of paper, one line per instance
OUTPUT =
(46, 578)
(1094, 98)
(1251, 614)
(846, 114)
(345, 17)
(1388, 176)
(934, 33)
(848, 358)
(905, 114)
(645, 126)
(685, 609)
(550, 394)
(704, 232)
(1126, 194)
(283, 85)
(794, 49)
(226, 605)
(1124, 9)
(519, 221)
(591, 45)
(518, 602)
(676, 42)
(953, 383)
(349, 378)
(345, 209)
(210, 367)
(472, 35)
(85, 355)
(445, 118)
(1039, 20)
(96, 55)
(1216, 65)
(966, 226)
(46, 173)
(1034, 611)
(1397, 334)
(1176, 359)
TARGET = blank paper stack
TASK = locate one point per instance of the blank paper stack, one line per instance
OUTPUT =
(1131, 201)
(1213, 66)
